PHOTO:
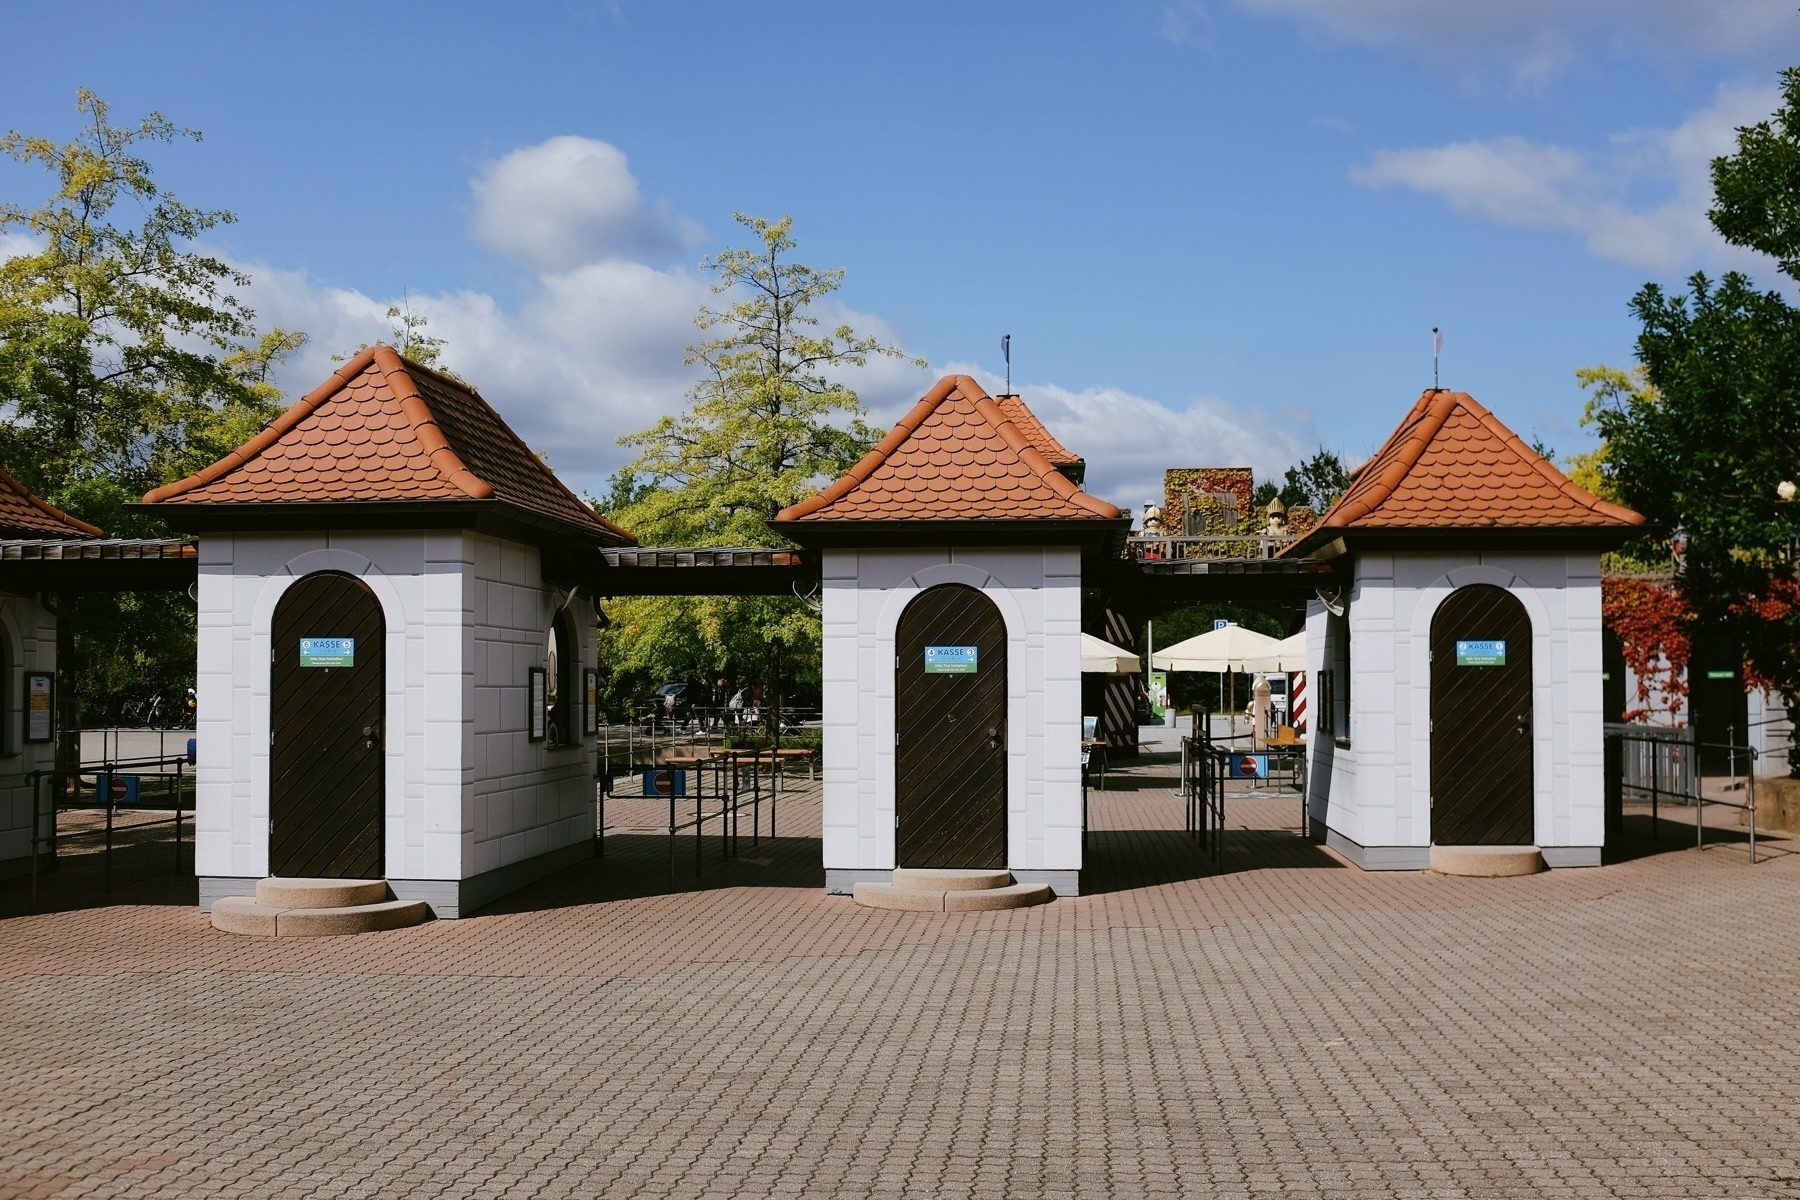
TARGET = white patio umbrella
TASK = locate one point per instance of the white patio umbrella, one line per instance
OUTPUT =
(1103, 658)
(1227, 649)
(1289, 654)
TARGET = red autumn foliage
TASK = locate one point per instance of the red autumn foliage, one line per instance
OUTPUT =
(1652, 620)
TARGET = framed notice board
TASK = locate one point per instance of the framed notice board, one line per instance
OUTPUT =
(40, 706)
(590, 700)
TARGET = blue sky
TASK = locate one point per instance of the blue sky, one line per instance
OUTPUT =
(1219, 232)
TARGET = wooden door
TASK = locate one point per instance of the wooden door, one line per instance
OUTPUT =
(326, 710)
(1481, 720)
(950, 728)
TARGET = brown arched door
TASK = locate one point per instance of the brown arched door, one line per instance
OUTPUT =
(326, 708)
(1481, 735)
(950, 731)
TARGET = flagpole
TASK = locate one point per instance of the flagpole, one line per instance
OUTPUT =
(1437, 347)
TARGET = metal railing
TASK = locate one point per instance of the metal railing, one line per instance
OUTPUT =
(1165, 547)
(1664, 765)
(89, 787)
(1203, 794)
(736, 783)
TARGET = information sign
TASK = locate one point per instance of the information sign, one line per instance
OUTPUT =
(1481, 654)
(1721, 674)
(39, 707)
(1220, 623)
(950, 660)
(328, 652)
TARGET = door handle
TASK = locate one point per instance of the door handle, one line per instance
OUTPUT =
(370, 735)
(993, 737)
(1524, 724)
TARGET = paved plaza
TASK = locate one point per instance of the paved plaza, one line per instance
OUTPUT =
(1287, 1026)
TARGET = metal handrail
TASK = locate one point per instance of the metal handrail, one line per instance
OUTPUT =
(1676, 753)
(104, 768)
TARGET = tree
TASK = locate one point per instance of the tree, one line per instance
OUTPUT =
(115, 337)
(126, 361)
(408, 338)
(771, 420)
(1704, 438)
(1317, 482)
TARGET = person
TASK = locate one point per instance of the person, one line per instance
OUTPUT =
(735, 708)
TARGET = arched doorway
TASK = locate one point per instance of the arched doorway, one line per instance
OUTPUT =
(950, 731)
(1481, 721)
(326, 708)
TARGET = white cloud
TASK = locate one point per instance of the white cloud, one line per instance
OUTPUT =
(588, 355)
(1538, 38)
(594, 350)
(569, 201)
(1129, 440)
(1595, 194)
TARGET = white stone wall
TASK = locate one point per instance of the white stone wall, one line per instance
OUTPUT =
(527, 798)
(1771, 733)
(461, 610)
(1377, 791)
(1038, 592)
(28, 638)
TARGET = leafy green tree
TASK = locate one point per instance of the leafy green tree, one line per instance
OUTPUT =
(126, 361)
(408, 338)
(1317, 481)
(115, 335)
(771, 420)
(1705, 438)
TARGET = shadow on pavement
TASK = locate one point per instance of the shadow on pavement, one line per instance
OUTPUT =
(636, 866)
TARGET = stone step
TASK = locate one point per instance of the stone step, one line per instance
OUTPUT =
(1487, 862)
(907, 899)
(242, 914)
(276, 892)
(939, 879)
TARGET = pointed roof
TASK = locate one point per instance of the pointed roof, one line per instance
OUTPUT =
(1452, 466)
(23, 515)
(957, 460)
(386, 431)
(1041, 439)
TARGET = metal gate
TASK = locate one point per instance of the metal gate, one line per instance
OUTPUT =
(950, 731)
(1481, 722)
(326, 707)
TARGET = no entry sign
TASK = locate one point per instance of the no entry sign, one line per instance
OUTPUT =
(1249, 766)
(665, 781)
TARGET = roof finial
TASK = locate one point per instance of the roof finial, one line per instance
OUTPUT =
(1437, 348)
(1006, 353)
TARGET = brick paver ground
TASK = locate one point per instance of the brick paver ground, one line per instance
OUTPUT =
(1289, 1026)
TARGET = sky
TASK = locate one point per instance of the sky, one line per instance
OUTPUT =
(1220, 232)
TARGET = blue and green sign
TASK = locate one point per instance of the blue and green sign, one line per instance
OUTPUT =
(950, 660)
(328, 652)
(1481, 654)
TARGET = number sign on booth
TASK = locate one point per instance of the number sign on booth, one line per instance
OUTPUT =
(328, 652)
(950, 660)
(1481, 654)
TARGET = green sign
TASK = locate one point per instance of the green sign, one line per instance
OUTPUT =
(950, 660)
(1481, 654)
(1721, 674)
(328, 652)
(1159, 694)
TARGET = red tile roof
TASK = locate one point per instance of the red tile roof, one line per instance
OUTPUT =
(23, 515)
(1041, 439)
(957, 456)
(383, 428)
(1452, 465)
